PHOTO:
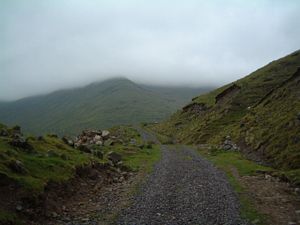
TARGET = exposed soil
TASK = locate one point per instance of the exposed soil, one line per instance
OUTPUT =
(274, 199)
(94, 202)
(94, 195)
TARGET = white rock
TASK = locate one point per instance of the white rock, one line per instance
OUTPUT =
(99, 143)
(105, 133)
(97, 138)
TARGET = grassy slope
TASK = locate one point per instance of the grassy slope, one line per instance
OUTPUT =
(52, 160)
(269, 127)
(99, 105)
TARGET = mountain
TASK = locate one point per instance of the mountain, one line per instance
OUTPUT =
(260, 113)
(98, 105)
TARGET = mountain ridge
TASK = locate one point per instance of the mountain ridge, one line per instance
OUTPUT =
(98, 105)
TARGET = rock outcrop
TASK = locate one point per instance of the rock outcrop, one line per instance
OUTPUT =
(92, 137)
(228, 145)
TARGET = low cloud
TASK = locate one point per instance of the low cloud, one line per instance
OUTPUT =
(53, 44)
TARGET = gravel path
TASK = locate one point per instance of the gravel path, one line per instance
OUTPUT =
(183, 189)
(146, 135)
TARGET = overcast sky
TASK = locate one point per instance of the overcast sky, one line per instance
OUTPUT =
(47, 45)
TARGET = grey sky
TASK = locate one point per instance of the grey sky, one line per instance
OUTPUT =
(51, 44)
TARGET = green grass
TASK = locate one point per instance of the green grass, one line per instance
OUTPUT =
(262, 116)
(292, 175)
(140, 155)
(42, 166)
(144, 158)
(51, 160)
(227, 161)
(99, 105)
(9, 218)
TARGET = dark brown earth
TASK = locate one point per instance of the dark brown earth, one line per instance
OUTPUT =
(272, 198)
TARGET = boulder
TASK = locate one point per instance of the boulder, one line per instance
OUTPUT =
(227, 147)
(97, 138)
(99, 143)
(68, 141)
(228, 144)
(105, 134)
(17, 166)
(3, 132)
(114, 157)
(20, 142)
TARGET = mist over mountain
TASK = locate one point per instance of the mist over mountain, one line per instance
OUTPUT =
(58, 44)
(98, 105)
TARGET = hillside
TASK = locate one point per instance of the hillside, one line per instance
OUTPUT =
(260, 113)
(37, 173)
(99, 105)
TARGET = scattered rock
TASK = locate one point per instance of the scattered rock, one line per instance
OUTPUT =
(97, 138)
(268, 177)
(100, 143)
(68, 141)
(19, 208)
(92, 137)
(4, 132)
(20, 142)
(228, 145)
(105, 134)
(17, 166)
(114, 157)
(297, 191)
